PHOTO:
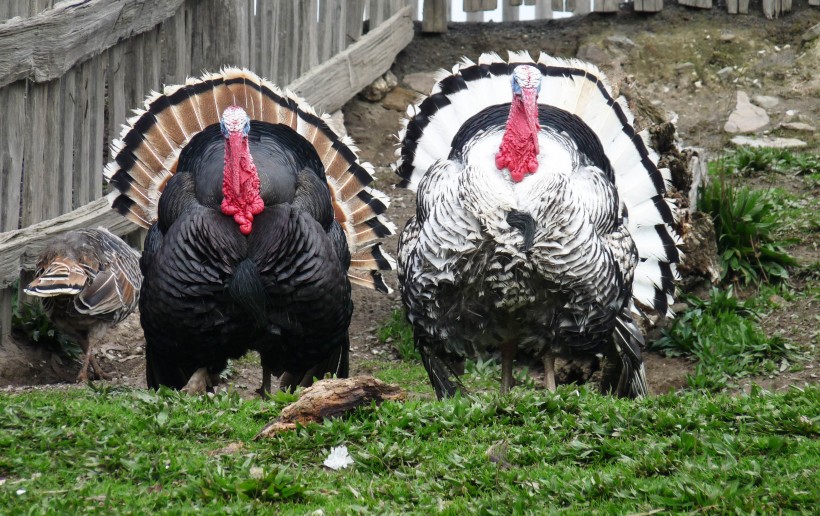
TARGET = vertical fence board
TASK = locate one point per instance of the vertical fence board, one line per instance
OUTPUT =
(13, 101)
(702, 4)
(52, 156)
(354, 21)
(327, 17)
(97, 129)
(651, 6)
(377, 13)
(309, 48)
(68, 94)
(82, 136)
(480, 5)
(34, 178)
(509, 11)
(435, 16)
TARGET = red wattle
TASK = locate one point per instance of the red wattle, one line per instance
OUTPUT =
(240, 184)
(519, 146)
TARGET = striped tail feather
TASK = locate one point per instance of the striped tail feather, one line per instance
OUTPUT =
(147, 153)
(61, 277)
(578, 88)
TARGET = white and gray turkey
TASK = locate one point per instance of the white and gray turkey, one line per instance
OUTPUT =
(542, 223)
(260, 219)
(88, 280)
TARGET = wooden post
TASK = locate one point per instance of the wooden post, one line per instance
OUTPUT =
(702, 4)
(649, 6)
(543, 10)
(606, 6)
(510, 10)
(737, 6)
(435, 16)
(471, 6)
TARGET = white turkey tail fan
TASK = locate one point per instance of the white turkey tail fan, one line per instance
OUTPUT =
(581, 95)
(146, 156)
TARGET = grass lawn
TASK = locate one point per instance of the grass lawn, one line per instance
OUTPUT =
(137, 451)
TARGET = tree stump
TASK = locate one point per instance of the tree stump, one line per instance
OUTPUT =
(332, 398)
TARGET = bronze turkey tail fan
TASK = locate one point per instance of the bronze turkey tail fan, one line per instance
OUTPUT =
(147, 154)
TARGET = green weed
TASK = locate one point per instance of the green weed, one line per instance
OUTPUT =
(748, 160)
(31, 321)
(745, 222)
(723, 333)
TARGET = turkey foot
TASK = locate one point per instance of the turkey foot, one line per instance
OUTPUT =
(549, 372)
(508, 350)
(198, 383)
(90, 360)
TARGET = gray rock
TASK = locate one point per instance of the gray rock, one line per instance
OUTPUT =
(726, 36)
(399, 99)
(765, 101)
(390, 79)
(746, 117)
(620, 39)
(421, 82)
(798, 126)
(375, 91)
(812, 33)
(768, 141)
(723, 72)
(594, 54)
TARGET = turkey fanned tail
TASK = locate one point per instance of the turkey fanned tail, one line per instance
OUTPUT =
(148, 151)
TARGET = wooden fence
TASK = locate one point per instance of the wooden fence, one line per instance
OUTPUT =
(71, 71)
(436, 13)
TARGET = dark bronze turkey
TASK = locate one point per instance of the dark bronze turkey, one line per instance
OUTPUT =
(89, 280)
(260, 219)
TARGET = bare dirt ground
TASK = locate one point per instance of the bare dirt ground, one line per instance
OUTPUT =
(688, 64)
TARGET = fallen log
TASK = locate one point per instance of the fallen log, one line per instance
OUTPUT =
(329, 399)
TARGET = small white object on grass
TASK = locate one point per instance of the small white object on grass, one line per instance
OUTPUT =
(339, 458)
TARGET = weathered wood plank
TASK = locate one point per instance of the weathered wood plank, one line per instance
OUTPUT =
(738, 6)
(34, 176)
(354, 23)
(650, 6)
(12, 136)
(44, 46)
(702, 4)
(309, 47)
(97, 129)
(68, 94)
(543, 10)
(55, 203)
(6, 296)
(434, 16)
(356, 67)
(510, 11)
(273, 16)
(580, 6)
(82, 136)
(606, 6)
(378, 12)
(814, 2)
(19, 249)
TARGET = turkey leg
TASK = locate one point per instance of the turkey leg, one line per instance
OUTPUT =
(549, 371)
(82, 376)
(508, 350)
(198, 383)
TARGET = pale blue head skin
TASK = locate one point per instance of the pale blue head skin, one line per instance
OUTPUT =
(526, 77)
(234, 120)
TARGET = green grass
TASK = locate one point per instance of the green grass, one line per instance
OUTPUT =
(723, 334)
(133, 451)
(397, 331)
